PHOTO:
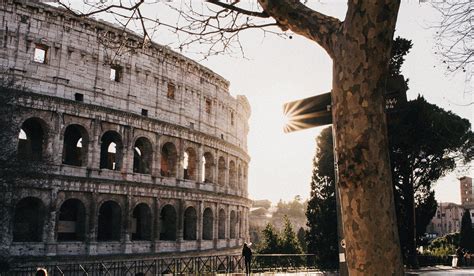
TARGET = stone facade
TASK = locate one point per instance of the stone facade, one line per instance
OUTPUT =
(446, 220)
(146, 150)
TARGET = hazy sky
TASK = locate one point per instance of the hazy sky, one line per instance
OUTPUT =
(278, 70)
(282, 70)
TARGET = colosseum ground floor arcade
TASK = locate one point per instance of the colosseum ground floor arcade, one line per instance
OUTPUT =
(111, 182)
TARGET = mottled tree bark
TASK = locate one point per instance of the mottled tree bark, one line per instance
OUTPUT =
(360, 47)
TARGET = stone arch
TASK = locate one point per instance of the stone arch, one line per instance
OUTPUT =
(207, 224)
(141, 222)
(28, 220)
(32, 139)
(207, 167)
(142, 156)
(221, 226)
(232, 174)
(190, 224)
(190, 164)
(111, 148)
(233, 222)
(221, 171)
(75, 146)
(109, 222)
(168, 223)
(169, 158)
(71, 221)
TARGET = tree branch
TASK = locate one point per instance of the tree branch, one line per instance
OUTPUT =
(295, 16)
(233, 7)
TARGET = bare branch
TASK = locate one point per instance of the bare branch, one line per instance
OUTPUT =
(239, 10)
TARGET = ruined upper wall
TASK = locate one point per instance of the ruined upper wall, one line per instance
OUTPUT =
(78, 66)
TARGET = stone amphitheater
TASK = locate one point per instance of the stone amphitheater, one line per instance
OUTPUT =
(143, 152)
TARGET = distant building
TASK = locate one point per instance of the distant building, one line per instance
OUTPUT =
(446, 220)
(467, 195)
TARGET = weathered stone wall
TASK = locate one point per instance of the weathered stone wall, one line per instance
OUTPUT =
(166, 158)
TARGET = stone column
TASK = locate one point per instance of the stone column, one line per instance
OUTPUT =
(180, 169)
(199, 224)
(127, 225)
(226, 175)
(215, 227)
(50, 226)
(6, 208)
(199, 162)
(157, 157)
(180, 218)
(93, 156)
(156, 226)
(93, 217)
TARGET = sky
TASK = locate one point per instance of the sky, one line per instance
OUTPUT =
(278, 70)
(281, 70)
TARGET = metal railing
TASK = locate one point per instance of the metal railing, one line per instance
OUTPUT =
(205, 265)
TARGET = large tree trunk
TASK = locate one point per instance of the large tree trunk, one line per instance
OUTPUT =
(360, 47)
(360, 70)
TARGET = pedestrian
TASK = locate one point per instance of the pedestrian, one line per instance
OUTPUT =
(247, 253)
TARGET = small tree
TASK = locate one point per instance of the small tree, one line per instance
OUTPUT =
(321, 235)
(466, 239)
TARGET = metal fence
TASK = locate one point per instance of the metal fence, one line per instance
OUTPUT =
(207, 265)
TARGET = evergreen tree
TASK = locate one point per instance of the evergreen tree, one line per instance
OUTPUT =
(466, 239)
(301, 235)
(270, 241)
(426, 142)
(321, 235)
(289, 241)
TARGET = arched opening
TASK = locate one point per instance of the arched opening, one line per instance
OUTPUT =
(169, 156)
(111, 151)
(221, 227)
(190, 224)
(168, 223)
(29, 220)
(31, 140)
(110, 221)
(233, 222)
(232, 174)
(141, 222)
(207, 225)
(207, 165)
(142, 156)
(75, 145)
(71, 223)
(221, 171)
(190, 164)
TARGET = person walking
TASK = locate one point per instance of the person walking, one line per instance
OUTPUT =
(247, 253)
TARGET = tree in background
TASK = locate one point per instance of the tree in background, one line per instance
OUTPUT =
(285, 242)
(301, 235)
(466, 239)
(444, 246)
(321, 235)
(426, 142)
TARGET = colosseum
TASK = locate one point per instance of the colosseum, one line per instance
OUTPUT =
(137, 153)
